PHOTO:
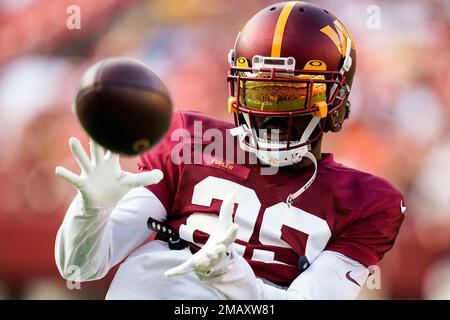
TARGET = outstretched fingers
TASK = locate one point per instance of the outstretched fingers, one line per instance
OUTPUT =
(68, 175)
(80, 155)
(96, 153)
(226, 212)
(134, 180)
(111, 156)
(228, 235)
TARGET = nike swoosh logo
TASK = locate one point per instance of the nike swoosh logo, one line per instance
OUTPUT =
(347, 275)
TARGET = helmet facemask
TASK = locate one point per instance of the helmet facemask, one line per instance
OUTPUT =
(273, 88)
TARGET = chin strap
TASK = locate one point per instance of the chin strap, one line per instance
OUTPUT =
(309, 129)
(240, 131)
(295, 195)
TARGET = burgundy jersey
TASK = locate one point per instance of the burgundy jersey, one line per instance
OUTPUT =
(344, 210)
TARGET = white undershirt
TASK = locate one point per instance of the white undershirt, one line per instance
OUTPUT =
(92, 241)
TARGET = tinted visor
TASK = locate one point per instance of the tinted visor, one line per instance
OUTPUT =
(273, 95)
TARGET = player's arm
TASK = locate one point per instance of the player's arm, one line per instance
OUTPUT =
(331, 275)
(107, 219)
(337, 273)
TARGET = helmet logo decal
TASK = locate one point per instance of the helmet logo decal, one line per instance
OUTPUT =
(338, 36)
(279, 29)
(242, 62)
(316, 65)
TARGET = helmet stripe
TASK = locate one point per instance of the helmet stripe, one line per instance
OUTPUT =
(339, 38)
(279, 29)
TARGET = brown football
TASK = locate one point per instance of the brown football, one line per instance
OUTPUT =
(123, 105)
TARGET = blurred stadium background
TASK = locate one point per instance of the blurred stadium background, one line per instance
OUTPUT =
(399, 126)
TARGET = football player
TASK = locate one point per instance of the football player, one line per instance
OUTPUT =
(225, 229)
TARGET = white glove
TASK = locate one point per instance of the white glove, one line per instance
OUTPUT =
(102, 181)
(214, 258)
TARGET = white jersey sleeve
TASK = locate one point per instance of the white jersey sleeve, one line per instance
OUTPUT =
(331, 276)
(91, 241)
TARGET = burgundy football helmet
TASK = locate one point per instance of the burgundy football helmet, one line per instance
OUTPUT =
(292, 59)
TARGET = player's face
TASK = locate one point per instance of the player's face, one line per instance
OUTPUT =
(281, 124)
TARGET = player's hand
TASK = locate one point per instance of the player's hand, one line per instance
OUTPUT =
(102, 181)
(213, 259)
